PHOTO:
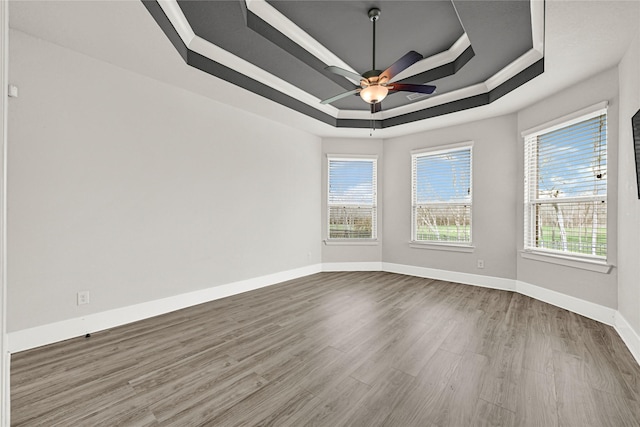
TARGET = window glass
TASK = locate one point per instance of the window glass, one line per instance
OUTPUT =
(352, 198)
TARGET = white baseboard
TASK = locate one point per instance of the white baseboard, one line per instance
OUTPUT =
(59, 331)
(588, 309)
(71, 328)
(628, 335)
(351, 266)
(579, 306)
(451, 276)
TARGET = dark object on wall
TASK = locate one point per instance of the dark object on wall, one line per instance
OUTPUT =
(635, 124)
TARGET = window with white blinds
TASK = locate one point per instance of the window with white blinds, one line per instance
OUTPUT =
(352, 198)
(566, 188)
(441, 195)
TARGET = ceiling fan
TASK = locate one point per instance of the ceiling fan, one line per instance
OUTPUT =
(375, 84)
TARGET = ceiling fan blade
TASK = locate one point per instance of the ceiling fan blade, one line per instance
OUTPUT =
(400, 65)
(377, 107)
(342, 95)
(346, 73)
(406, 87)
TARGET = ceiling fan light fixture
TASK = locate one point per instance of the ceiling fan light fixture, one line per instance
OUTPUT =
(375, 84)
(374, 93)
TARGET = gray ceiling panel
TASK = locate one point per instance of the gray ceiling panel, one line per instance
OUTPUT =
(499, 33)
(223, 23)
(343, 27)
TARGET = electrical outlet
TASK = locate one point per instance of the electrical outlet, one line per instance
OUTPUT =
(480, 263)
(83, 297)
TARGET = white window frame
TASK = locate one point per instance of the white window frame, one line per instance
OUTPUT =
(530, 250)
(374, 220)
(458, 246)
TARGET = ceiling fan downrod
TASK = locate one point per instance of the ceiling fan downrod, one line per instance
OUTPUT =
(374, 15)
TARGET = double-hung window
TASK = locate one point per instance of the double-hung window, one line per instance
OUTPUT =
(441, 195)
(566, 187)
(352, 197)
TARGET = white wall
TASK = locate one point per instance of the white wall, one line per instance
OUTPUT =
(136, 190)
(591, 286)
(494, 199)
(354, 253)
(5, 395)
(629, 205)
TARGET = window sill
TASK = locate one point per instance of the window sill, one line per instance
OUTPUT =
(453, 247)
(351, 242)
(598, 266)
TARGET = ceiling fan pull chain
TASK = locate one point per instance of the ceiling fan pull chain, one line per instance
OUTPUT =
(372, 128)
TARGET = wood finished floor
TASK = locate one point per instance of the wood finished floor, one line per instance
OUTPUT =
(339, 349)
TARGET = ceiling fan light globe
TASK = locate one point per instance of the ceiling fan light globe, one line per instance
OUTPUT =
(374, 94)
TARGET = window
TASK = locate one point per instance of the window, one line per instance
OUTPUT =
(566, 187)
(352, 198)
(441, 195)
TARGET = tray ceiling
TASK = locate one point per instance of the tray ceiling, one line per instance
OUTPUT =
(475, 51)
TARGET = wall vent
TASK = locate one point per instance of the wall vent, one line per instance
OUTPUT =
(416, 95)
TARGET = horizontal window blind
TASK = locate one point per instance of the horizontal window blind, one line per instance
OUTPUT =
(352, 198)
(566, 188)
(441, 196)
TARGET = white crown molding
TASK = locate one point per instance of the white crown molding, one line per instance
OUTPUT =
(178, 20)
(435, 61)
(270, 15)
(221, 56)
(284, 25)
(432, 101)
(537, 25)
(455, 95)
(209, 50)
(526, 60)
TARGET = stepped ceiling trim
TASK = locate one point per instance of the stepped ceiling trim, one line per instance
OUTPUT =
(286, 42)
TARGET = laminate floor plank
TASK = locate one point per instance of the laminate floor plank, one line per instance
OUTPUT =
(338, 349)
(420, 351)
(504, 374)
(381, 399)
(538, 356)
(334, 408)
(489, 415)
(129, 411)
(419, 404)
(271, 405)
(384, 351)
(620, 411)
(577, 402)
(623, 359)
(456, 406)
(601, 371)
(536, 400)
